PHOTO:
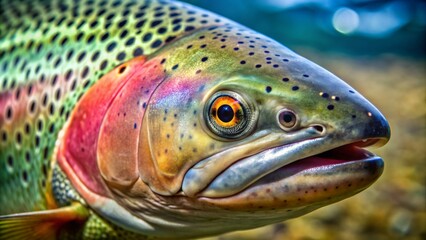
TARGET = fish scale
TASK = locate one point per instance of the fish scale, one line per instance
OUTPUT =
(62, 48)
(139, 119)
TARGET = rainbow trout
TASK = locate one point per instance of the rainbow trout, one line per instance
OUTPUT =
(125, 119)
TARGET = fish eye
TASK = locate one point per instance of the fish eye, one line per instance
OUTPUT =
(229, 115)
(287, 119)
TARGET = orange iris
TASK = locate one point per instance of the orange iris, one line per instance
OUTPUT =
(226, 111)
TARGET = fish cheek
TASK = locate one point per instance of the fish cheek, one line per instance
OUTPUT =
(172, 138)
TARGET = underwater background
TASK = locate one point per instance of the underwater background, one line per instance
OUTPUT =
(379, 48)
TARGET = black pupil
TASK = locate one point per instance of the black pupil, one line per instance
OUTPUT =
(288, 117)
(225, 113)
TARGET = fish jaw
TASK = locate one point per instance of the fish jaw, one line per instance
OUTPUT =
(312, 181)
(293, 175)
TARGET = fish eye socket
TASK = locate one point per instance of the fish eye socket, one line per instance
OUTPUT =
(287, 119)
(228, 115)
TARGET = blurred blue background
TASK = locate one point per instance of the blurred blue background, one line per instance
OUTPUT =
(361, 27)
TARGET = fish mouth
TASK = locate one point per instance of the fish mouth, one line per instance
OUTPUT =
(284, 164)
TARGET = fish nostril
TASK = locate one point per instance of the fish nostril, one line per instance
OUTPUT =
(319, 128)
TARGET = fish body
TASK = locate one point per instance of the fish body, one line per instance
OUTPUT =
(161, 120)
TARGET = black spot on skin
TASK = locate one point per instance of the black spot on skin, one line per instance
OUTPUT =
(330, 107)
(325, 95)
(189, 28)
(10, 161)
(18, 137)
(268, 89)
(295, 88)
(147, 37)
(25, 176)
(9, 113)
(140, 23)
(156, 23)
(4, 136)
(135, 126)
(258, 66)
(175, 67)
(156, 43)
(176, 28)
(204, 59)
(354, 116)
(243, 62)
(285, 79)
(305, 75)
(111, 46)
(130, 41)
(121, 70)
(137, 52)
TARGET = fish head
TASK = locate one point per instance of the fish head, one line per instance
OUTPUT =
(232, 131)
(247, 129)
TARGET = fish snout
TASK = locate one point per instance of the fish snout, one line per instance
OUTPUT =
(374, 129)
(377, 132)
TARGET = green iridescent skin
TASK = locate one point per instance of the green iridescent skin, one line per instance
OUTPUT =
(53, 52)
(46, 52)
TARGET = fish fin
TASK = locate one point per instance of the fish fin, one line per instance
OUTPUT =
(40, 224)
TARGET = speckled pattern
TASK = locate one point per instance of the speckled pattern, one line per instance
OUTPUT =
(53, 51)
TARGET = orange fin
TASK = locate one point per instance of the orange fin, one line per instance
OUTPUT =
(41, 224)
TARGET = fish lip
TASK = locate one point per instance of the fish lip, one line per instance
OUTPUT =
(200, 175)
(294, 188)
(361, 156)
